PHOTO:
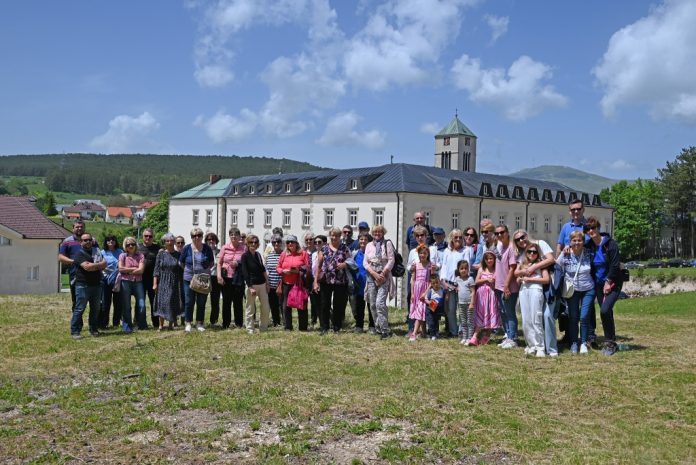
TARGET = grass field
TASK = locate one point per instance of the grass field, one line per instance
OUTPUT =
(278, 397)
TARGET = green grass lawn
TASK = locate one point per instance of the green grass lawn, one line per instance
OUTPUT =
(278, 397)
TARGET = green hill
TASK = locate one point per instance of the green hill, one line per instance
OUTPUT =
(142, 174)
(571, 177)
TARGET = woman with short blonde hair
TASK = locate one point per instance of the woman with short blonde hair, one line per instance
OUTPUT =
(256, 279)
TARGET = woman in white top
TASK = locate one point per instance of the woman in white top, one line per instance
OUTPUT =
(532, 299)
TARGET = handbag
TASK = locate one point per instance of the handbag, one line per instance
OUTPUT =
(398, 270)
(297, 297)
(569, 286)
(200, 282)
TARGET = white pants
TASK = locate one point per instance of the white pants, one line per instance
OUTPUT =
(532, 307)
(376, 296)
(262, 294)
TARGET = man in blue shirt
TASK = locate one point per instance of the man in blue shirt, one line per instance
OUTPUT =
(576, 223)
(67, 252)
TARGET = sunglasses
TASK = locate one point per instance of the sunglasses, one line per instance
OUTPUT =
(347, 232)
(575, 210)
(419, 235)
(532, 252)
(130, 245)
(147, 235)
(457, 238)
(179, 243)
(86, 240)
(470, 235)
(309, 240)
(590, 228)
(521, 238)
(500, 233)
(254, 242)
(276, 242)
(196, 235)
(318, 242)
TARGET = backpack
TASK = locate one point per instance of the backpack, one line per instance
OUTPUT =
(399, 270)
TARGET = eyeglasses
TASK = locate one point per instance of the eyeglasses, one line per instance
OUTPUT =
(532, 252)
(318, 242)
(521, 238)
(147, 235)
(254, 242)
(179, 243)
(470, 235)
(196, 235)
(575, 210)
(500, 233)
(130, 245)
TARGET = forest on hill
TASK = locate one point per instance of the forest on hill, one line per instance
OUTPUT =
(143, 174)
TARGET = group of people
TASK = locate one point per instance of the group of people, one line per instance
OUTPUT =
(474, 282)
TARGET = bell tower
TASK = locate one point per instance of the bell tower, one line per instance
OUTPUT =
(455, 147)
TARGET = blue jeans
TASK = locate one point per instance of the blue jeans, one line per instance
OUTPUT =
(550, 326)
(432, 320)
(191, 297)
(83, 295)
(134, 289)
(580, 306)
(507, 310)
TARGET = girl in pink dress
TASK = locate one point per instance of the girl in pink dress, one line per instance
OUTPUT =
(419, 286)
(487, 317)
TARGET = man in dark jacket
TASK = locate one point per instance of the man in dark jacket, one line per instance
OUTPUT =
(88, 265)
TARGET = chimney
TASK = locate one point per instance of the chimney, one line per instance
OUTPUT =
(215, 178)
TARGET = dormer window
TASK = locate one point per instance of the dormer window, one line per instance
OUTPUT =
(288, 187)
(235, 190)
(546, 195)
(533, 194)
(269, 188)
(572, 197)
(585, 199)
(596, 201)
(486, 190)
(308, 186)
(518, 193)
(354, 184)
(252, 189)
(455, 187)
(502, 191)
(560, 197)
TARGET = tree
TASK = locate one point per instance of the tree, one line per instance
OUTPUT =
(47, 203)
(678, 186)
(635, 222)
(157, 217)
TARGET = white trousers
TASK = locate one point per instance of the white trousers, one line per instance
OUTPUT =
(262, 294)
(532, 306)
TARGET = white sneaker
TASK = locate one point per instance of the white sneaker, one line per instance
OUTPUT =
(188, 327)
(510, 344)
(250, 331)
(412, 339)
(529, 351)
(200, 328)
(503, 342)
(540, 353)
(553, 354)
(583, 349)
(464, 340)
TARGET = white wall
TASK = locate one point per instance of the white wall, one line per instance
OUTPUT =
(28, 253)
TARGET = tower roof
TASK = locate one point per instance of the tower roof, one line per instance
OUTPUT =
(455, 128)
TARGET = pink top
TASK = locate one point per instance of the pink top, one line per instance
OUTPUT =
(387, 261)
(228, 255)
(288, 261)
(502, 268)
(131, 261)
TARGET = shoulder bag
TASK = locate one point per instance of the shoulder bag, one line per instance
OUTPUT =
(399, 270)
(200, 282)
(569, 286)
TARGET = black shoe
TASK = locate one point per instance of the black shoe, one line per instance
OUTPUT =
(609, 348)
(358, 330)
(94, 333)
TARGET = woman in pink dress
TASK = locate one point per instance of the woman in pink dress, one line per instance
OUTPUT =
(487, 317)
(419, 285)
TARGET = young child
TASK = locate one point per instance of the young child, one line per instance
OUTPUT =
(434, 298)
(532, 300)
(420, 280)
(465, 305)
(486, 317)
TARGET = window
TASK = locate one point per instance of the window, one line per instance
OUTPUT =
(32, 273)
(306, 218)
(501, 219)
(267, 217)
(378, 216)
(446, 160)
(547, 224)
(467, 141)
(234, 217)
(454, 187)
(455, 220)
(532, 224)
(250, 218)
(353, 218)
(446, 141)
(288, 187)
(308, 187)
(194, 220)
(269, 189)
(286, 218)
(235, 190)
(354, 184)
(252, 189)
(427, 217)
(208, 217)
(5, 240)
(518, 222)
(561, 221)
(467, 161)
(328, 218)
(486, 216)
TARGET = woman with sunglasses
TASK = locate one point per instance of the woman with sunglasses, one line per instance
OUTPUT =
(577, 268)
(166, 283)
(131, 265)
(487, 243)
(547, 260)
(216, 288)
(332, 281)
(532, 299)
(315, 295)
(275, 290)
(379, 260)
(608, 278)
(310, 247)
(197, 257)
(294, 266)
(256, 280)
(229, 277)
(110, 252)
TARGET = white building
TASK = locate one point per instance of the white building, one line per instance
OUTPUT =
(28, 247)
(388, 194)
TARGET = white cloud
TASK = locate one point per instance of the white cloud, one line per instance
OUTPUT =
(126, 133)
(213, 75)
(519, 93)
(498, 25)
(652, 62)
(401, 42)
(620, 165)
(430, 128)
(222, 127)
(340, 131)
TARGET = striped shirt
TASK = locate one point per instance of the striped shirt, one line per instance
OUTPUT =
(271, 264)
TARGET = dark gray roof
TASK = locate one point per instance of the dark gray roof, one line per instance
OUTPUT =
(402, 177)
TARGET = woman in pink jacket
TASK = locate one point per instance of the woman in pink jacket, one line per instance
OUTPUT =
(378, 262)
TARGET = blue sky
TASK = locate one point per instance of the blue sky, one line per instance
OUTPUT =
(607, 87)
